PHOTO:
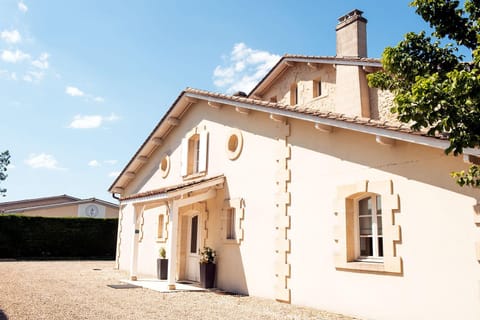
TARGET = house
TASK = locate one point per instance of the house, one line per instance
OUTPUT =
(61, 206)
(310, 192)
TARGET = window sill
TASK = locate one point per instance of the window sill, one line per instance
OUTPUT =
(161, 240)
(392, 266)
(194, 175)
(231, 242)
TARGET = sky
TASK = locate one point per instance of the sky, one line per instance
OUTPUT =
(84, 82)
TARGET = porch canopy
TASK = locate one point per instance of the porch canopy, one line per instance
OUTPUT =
(174, 197)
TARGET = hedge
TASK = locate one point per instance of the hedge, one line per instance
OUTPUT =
(49, 238)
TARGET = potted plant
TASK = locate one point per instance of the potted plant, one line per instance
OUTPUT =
(162, 265)
(207, 267)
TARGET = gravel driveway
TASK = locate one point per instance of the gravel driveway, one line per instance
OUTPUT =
(78, 290)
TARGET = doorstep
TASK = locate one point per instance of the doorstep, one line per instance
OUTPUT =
(162, 285)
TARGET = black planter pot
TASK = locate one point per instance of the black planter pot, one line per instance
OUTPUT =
(162, 269)
(207, 275)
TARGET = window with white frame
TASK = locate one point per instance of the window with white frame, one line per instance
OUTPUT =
(368, 220)
(161, 226)
(194, 150)
(366, 231)
(231, 233)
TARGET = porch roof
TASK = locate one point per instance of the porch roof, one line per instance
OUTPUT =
(174, 190)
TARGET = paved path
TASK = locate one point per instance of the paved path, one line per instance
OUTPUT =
(78, 290)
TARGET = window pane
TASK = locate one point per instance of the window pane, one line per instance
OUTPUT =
(160, 226)
(379, 225)
(366, 246)
(365, 207)
(231, 224)
(193, 235)
(380, 246)
(379, 205)
(365, 226)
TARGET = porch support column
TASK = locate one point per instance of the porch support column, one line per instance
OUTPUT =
(133, 259)
(173, 232)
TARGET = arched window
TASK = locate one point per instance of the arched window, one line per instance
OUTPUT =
(369, 234)
(194, 150)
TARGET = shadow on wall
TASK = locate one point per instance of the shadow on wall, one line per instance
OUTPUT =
(3, 316)
(230, 263)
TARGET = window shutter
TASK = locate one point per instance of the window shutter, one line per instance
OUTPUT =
(184, 162)
(202, 161)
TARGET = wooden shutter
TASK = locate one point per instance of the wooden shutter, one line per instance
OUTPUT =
(202, 161)
(184, 163)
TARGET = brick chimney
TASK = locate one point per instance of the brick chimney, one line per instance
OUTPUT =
(352, 92)
(352, 35)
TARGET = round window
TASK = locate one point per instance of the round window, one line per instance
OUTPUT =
(165, 166)
(234, 144)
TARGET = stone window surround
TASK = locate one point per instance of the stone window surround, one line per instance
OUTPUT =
(237, 204)
(203, 153)
(233, 152)
(344, 235)
(164, 165)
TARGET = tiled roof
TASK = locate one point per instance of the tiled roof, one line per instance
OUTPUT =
(332, 58)
(316, 113)
(169, 188)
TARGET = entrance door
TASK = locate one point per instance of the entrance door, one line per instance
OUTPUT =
(193, 240)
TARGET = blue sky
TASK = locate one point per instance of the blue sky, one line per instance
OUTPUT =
(82, 83)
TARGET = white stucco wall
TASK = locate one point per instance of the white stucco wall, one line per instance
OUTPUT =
(441, 276)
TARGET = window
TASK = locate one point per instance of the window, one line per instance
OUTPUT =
(194, 153)
(273, 99)
(317, 88)
(193, 235)
(231, 233)
(165, 166)
(294, 94)
(234, 144)
(367, 233)
(369, 228)
(233, 214)
(161, 226)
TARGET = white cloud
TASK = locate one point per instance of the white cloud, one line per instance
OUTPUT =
(33, 76)
(42, 160)
(111, 162)
(94, 163)
(91, 122)
(98, 99)
(14, 57)
(42, 61)
(114, 174)
(86, 122)
(74, 92)
(22, 6)
(245, 67)
(11, 36)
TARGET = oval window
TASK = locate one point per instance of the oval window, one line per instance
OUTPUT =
(165, 166)
(234, 144)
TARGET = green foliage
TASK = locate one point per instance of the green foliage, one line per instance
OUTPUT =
(162, 252)
(4, 162)
(38, 237)
(207, 255)
(434, 88)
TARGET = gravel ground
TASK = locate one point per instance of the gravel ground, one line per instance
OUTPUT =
(78, 290)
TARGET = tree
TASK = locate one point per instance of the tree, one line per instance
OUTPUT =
(4, 162)
(434, 88)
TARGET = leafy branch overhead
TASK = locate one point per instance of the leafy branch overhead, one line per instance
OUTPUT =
(435, 89)
(4, 162)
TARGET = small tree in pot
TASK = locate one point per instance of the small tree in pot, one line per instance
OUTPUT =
(162, 265)
(207, 267)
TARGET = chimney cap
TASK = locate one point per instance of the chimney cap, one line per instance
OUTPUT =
(240, 94)
(351, 17)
